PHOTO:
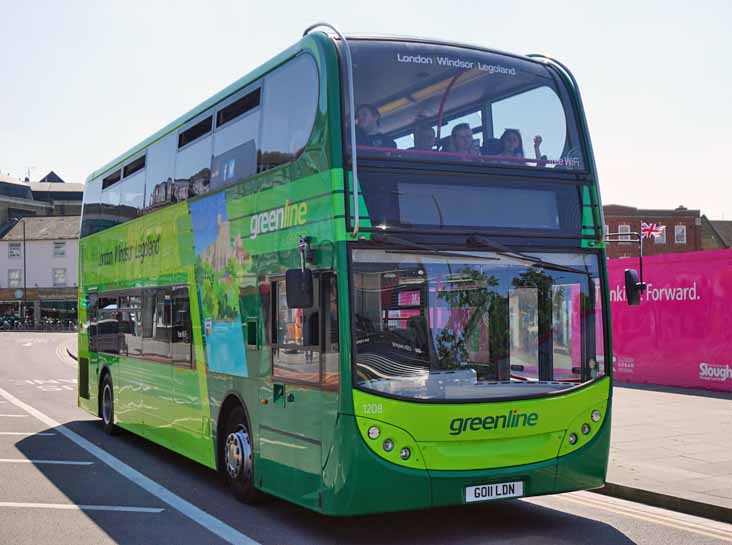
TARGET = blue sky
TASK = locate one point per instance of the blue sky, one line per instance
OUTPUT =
(82, 81)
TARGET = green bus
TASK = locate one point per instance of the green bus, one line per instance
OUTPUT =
(368, 276)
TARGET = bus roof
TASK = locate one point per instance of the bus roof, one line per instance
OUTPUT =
(218, 97)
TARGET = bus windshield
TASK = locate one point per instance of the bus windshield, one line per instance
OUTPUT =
(488, 325)
(441, 103)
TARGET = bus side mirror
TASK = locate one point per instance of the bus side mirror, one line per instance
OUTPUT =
(633, 287)
(299, 286)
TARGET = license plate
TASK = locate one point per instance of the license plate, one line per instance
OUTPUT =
(494, 491)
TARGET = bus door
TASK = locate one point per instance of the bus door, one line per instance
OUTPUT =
(297, 422)
(91, 332)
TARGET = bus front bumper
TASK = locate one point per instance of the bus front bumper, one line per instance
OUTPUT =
(356, 481)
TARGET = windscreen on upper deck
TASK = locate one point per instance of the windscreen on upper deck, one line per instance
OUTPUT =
(443, 103)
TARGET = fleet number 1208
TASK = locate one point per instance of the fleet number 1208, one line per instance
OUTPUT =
(373, 408)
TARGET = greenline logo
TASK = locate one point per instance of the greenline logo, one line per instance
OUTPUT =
(512, 419)
(286, 216)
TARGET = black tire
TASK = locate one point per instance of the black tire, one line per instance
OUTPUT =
(106, 406)
(238, 458)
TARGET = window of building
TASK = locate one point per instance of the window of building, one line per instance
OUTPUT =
(680, 234)
(605, 230)
(59, 249)
(624, 230)
(14, 249)
(14, 278)
(59, 277)
(661, 239)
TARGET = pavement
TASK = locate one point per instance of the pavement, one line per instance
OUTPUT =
(672, 448)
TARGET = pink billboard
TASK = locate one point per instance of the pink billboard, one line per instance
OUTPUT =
(681, 334)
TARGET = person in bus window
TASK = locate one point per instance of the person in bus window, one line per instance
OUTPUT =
(424, 137)
(368, 120)
(540, 159)
(461, 140)
(512, 145)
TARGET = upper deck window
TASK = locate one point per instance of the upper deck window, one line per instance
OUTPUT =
(441, 103)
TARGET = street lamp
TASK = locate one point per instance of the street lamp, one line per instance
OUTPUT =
(25, 285)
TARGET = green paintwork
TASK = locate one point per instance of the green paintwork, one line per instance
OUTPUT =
(426, 428)
(312, 448)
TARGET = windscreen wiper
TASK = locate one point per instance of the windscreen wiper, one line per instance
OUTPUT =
(417, 248)
(476, 239)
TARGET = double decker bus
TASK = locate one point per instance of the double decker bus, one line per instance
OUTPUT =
(368, 276)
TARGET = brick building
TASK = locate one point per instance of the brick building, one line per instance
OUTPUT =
(683, 233)
(716, 234)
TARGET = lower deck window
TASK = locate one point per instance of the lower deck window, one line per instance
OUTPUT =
(153, 323)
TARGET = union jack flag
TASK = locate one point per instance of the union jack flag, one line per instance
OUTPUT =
(651, 230)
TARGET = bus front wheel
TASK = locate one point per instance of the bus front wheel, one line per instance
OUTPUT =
(107, 406)
(238, 457)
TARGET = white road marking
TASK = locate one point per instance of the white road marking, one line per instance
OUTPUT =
(679, 521)
(49, 384)
(44, 462)
(63, 355)
(75, 507)
(13, 416)
(211, 523)
(27, 433)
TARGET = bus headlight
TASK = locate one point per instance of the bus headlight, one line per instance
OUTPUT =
(388, 445)
(585, 429)
(374, 432)
(595, 416)
(572, 438)
(405, 453)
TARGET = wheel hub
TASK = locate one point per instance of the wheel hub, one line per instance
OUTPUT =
(238, 454)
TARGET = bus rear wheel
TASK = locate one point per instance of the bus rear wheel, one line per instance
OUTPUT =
(107, 406)
(238, 457)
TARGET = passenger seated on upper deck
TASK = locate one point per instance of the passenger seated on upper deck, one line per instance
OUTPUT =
(512, 145)
(424, 137)
(461, 141)
(368, 120)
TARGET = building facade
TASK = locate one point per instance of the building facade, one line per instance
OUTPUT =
(49, 197)
(716, 234)
(683, 230)
(39, 271)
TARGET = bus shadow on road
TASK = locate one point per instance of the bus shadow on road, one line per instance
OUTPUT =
(275, 521)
